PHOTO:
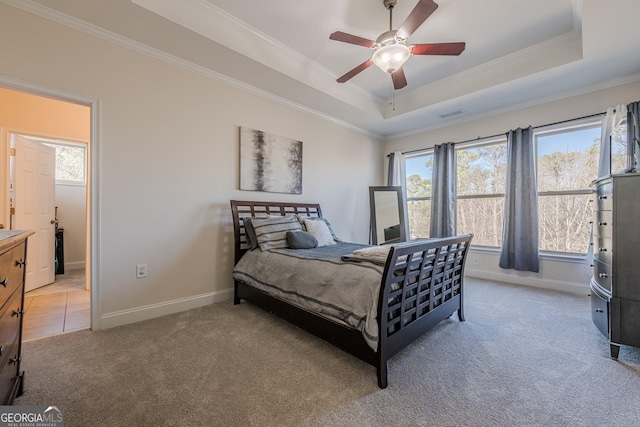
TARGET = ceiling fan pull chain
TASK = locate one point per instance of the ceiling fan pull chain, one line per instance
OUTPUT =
(392, 97)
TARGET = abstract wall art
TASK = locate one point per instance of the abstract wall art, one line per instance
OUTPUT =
(270, 162)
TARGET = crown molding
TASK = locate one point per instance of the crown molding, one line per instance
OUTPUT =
(221, 27)
(633, 78)
(111, 37)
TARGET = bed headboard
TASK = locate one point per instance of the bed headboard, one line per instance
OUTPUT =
(241, 209)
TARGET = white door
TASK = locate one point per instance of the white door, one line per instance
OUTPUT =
(34, 203)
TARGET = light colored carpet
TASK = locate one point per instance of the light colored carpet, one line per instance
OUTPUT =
(524, 357)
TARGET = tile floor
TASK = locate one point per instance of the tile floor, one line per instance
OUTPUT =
(62, 306)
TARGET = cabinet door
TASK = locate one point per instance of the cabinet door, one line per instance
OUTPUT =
(11, 271)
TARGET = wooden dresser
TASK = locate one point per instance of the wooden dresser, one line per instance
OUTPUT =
(13, 253)
(615, 285)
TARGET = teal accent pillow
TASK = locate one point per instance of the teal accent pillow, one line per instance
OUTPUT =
(301, 240)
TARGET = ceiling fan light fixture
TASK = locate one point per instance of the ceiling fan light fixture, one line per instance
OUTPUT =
(390, 57)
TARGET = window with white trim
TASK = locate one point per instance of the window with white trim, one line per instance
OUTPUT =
(71, 162)
(419, 169)
(567, 158)
(567, 162)
(480, 190)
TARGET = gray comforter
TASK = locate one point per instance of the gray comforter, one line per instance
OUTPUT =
(319, 280)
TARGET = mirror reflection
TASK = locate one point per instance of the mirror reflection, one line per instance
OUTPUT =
(387, 215)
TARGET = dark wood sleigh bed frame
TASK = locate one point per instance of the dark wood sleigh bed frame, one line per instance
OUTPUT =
(422, 284)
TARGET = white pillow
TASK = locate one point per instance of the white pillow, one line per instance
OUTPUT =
(319, 230)
(272, 232)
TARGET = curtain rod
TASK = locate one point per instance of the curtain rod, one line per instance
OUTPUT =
(502, 134)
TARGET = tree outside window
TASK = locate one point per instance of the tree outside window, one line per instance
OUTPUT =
(419, 175)
(480, 189)
(71, 163)
(567, 162)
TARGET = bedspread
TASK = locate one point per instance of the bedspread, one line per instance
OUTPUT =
(319, 281)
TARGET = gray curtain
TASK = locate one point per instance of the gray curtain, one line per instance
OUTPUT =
(520, 232)
(396, 170)
(443, 192)
(611, 118)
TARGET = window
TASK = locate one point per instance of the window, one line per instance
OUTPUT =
(618, 150)
(567, 162)
(418, 171)
(71, 161)
(480, 190)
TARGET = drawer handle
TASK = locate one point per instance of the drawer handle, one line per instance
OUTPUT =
(18, 312)
(602, 223)
(15, 359)
(5, 282)
(602, 197)
(602, 249)
(599, 310)
(603, 275)
(1, 349)
(21, 263)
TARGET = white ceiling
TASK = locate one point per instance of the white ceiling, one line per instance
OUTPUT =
(518, 53)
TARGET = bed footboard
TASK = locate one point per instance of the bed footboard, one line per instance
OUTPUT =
(422, 284)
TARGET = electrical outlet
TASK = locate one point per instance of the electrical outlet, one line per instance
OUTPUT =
(141, 271)
(475, 261)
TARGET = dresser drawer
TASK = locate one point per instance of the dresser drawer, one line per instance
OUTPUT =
(11, 271)
(602, 249)
(602, 274)
(604, 224)
(600, 313)
(10, 374)
(604, 196)
(10, 321)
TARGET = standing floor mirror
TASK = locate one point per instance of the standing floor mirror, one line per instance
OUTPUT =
(388, 223)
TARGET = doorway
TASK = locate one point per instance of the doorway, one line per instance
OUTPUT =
(64, 304)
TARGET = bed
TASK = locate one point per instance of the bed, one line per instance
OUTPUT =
(407, 291)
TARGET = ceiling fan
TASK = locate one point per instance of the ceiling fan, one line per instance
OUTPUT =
(391, 50)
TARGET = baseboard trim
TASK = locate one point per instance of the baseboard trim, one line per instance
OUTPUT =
(574, 288)
(138, 314)
(77, 265)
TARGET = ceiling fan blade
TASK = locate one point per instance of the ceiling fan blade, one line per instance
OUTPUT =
(418, 15)
(438, 48)
(399, 79)
(366, 64)
(350, 38)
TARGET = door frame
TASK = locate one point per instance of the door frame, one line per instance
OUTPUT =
(93, 185)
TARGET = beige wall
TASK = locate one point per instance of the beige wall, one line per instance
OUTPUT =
(71, 201)
(564, 274)
(167, 153)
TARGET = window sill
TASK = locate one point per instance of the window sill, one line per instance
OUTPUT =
(576, 259)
